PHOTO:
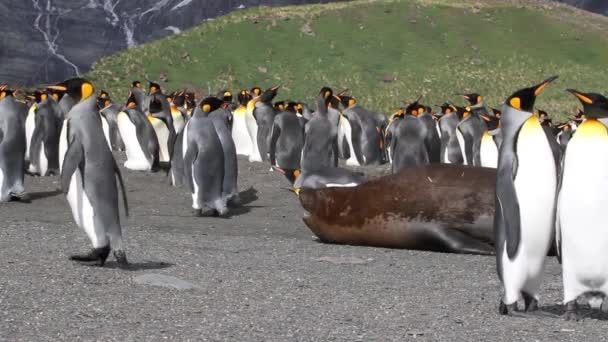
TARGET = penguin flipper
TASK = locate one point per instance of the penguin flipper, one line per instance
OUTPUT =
(507, 218)
(189, 159)
(122, 187)
(74, 157)
(272, 147)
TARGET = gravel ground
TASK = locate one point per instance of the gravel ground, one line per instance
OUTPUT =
(256, 276)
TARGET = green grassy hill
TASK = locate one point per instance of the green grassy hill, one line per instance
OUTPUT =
(385, 52)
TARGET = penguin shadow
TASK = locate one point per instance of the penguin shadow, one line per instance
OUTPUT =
(33, 196)
(584, 312)
(139, 266)
(242, 207)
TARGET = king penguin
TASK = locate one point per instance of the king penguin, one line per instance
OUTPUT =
(204, 165)
(88, 177)
(450, 151)
(490, 142)
(525, 203)
(109, 111)
(408, 146)
(242, 140)
(471, 128)
(261, 110)
(141, 143)
(320, 140)
(581, 221)
(162, 120)
(367, 137)
(44, 148)
(30, 121)
(12, 147)
(287, 138)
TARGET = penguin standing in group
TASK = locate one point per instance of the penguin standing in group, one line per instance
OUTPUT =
(140, 96)
(450, 151)
(252, 125)
(490, 142)
(44, 146)
(217, 110)
(240, 134)
(471, 128)
(320, 140)
(432, 140)
(12, 147)
(88, 177)
(408, 146)
(204, 165)
(394, 120)
(141, 143)
(366, 132)
(30, 121)
(262, 110)
(162, 121)
(525, 203)
(179, 114)
(109, 111)
(581, 222)
(287, 138)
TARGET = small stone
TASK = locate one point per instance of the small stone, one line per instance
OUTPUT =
(342, 260)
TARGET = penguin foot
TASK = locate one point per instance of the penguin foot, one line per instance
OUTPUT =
(571, 311)
(198, 212)
(531, 303)
(234, 201)
(96, 257)
(206, 213)
(604, 306)
(121, 258)
(510, 310)
(21, 197)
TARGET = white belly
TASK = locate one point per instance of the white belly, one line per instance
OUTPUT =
(63, 144)
(2, 186)
(106, 131)
(82, 210)
(461, 144)
(345, 131)
(136, 159)
(437, 128)
(240, 133)
(535, 186)
(582, 216)
(178, 122)
(30, 125)
(488, 152)
(162, 133)
(252, 128)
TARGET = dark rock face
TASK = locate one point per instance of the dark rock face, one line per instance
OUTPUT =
(46, 41)
(597, 6)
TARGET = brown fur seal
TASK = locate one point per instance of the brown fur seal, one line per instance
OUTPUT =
(438, 207)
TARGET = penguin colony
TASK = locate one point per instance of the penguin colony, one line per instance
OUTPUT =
(67, 129)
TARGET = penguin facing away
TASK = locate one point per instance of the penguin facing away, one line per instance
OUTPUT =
(44, 149)
(450, 151)
(89, 175)
(408, 146)
(109, 111)
(12, 148)
(525, 203)
(320, 140)
(287, 138)
(581, 225)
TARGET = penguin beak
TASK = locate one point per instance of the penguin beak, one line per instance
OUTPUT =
(2, 86)
(539, 88)
(581, 96)
(275, 88)
(59, 86)
(296, 191)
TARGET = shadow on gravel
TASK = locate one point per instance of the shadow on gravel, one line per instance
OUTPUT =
(44, 194)
(139, 266)
(246, 196)
(584, 312)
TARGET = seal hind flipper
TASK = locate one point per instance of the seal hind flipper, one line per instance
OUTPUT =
(457, 241)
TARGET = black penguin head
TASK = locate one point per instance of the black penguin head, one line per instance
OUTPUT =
(153, 87)
(290, 174)
(37, 96)
(326, 92)
(280, 105)
(244, 97)
(210, 104)
(156, 106)
(291, 107)
(131, 101)
(179, 98)
(497, 113)
(225, 95)
(269, 94)
(347, 101)
(78, 88)
(473, 98)
(446, 108)
(103, 102)
(544, 118)
(5, 91)
(594, 105)
(136, 84)
(491, 121)
(256, 91)
(462, 112)
(104, 94)
(523, 99)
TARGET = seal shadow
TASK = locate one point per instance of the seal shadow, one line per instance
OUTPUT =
(584, 311)
(139, 266)
(33, 196)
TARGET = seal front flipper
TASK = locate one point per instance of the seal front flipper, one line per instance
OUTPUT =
(456, 241)
(74, 156)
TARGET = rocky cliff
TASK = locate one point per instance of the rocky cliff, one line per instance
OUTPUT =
(45, 41)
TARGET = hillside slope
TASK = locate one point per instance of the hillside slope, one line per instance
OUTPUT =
(385, 52)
